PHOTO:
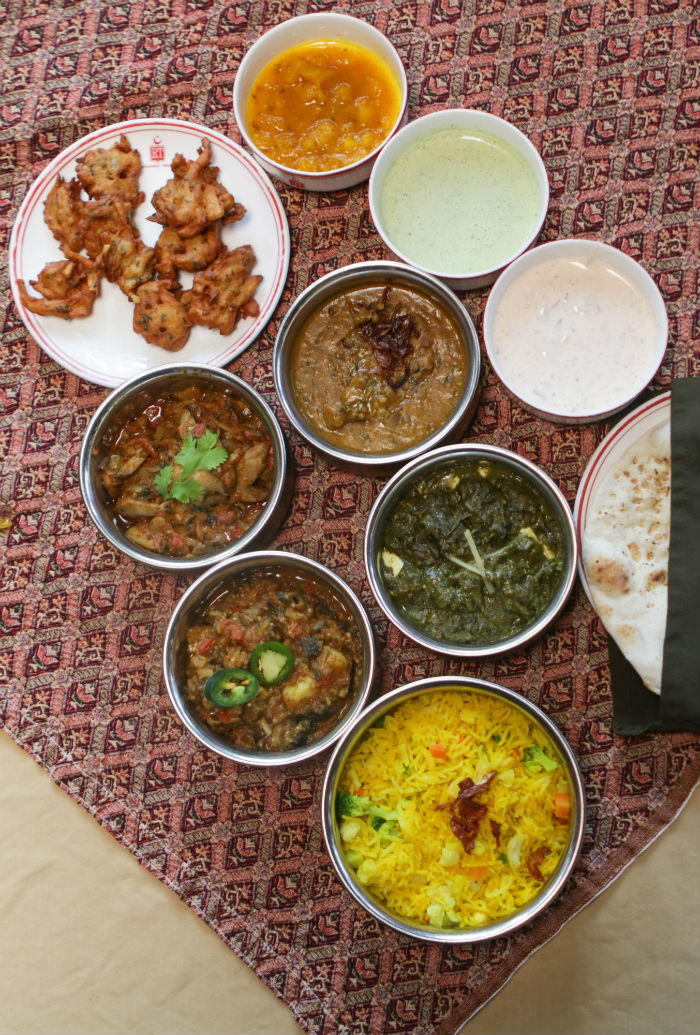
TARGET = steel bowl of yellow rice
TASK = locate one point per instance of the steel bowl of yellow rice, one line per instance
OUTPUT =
(453, 810)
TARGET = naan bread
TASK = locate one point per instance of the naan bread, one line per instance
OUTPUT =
(625, 551)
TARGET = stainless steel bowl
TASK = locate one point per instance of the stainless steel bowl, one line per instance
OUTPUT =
(363, 274)
(452, 936)
(394, 491)
(215, 581)
(124, 402)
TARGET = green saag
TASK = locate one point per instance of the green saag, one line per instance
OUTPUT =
(473, 553)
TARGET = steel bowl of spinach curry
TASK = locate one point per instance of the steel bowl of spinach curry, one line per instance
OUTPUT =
(470, 550)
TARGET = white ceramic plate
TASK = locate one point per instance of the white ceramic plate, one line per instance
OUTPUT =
(613, 446)
(103, 347)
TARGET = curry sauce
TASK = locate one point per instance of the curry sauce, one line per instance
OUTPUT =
(378, 369)
(323, 105)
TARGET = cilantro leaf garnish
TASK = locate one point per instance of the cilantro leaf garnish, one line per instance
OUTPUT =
(197, 454)
(163, 479)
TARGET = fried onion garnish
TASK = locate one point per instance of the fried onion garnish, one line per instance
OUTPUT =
(160, 317)
(68, 288)
(112, 173)
(224, 291)
(128, 262)
(194, 198)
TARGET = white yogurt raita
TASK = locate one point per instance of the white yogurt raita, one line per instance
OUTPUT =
(574, 336)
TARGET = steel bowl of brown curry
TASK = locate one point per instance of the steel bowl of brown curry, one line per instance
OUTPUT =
(268, 658)
(470, 550)
(183, 466)
(375, 363)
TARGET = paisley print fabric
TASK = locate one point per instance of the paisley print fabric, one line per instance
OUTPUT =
(609, 91)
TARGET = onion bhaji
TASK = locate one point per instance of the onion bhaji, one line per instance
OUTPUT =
(224, 291)
(194, 198)
(101, 220)
(191, 208)
(127, 261)
(68, 288)
(160, 317)
(172, 252)
(63, 214)
(112, 173)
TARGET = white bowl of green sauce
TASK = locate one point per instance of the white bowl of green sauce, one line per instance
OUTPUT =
(459, 194)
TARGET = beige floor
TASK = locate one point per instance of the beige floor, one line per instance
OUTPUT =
(91, 942)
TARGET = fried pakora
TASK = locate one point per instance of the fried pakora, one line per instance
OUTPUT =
(191, 207)
(100, 221)
(224, 291)
(63, 214)
(194, 198)
(128, 262)
(112, 173)
(172, 252)
(68, 288)
(160, 317)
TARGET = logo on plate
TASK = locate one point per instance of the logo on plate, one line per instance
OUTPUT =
(157, 150)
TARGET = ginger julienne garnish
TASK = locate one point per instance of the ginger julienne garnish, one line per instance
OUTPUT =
(191, 207)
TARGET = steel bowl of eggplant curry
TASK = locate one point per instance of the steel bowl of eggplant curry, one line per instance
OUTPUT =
(268, 657)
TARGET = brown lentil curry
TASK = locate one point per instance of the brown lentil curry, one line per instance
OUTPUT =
(377, 369)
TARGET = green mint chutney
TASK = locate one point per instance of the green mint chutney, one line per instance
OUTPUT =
(473, 553)
(460, 202)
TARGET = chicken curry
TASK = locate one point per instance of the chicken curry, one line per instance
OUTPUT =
(189, 472)
(378, 369)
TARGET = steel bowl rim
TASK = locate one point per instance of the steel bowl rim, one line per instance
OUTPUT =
(301, 309)
(316, 176)
(119, 397)
(535, 161)
(199, 589)
(452, 936)
(404, 476)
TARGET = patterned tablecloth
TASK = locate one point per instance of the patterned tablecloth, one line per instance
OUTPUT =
(610, 94)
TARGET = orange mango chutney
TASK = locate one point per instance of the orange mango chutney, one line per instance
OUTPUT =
(323, 105)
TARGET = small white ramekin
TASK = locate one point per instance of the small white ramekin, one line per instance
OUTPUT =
(463, 119)
(304, 29)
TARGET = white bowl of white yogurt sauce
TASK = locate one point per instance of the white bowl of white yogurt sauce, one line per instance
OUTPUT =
(459, 194)
(575, 330)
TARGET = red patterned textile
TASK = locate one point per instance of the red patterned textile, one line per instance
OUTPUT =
(609, 91)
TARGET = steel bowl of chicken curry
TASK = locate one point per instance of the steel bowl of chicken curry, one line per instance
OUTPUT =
(268, 658)
(375, 363)
(184, 466)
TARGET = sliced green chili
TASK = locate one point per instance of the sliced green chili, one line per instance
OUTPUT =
(271, 662)
(231, 687)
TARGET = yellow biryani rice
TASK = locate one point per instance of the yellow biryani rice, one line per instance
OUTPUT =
(412, 762)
